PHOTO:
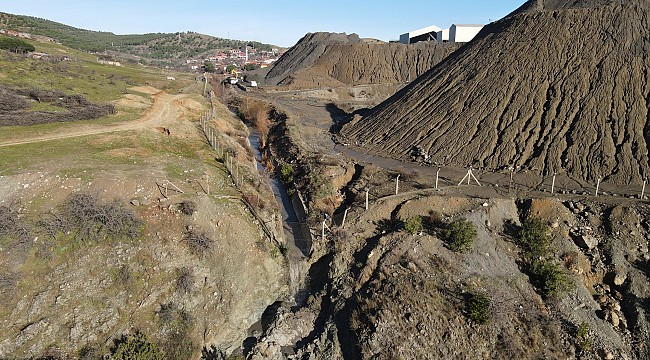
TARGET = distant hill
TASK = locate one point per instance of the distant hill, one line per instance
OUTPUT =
(157, 48)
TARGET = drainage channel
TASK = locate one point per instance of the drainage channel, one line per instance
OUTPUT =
(296, 233)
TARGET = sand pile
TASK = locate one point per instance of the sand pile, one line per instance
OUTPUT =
(332, 60)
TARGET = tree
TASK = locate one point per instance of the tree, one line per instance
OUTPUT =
(230, 68)
(209, 66)
(250, 67)
(15, 45)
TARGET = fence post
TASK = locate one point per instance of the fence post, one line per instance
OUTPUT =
(437, 176)
(345, 215)
(553, 184)
(397, 184)
(597, 186)
(643, 189)
(367, 191)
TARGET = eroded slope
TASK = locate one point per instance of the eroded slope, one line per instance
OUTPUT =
(562, 90)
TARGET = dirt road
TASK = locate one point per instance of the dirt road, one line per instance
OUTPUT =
(165, 108)
(316, 117)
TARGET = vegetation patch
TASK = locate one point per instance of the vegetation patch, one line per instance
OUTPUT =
(548, 277)
(199, 242)
(459, 235)
(533, 238)
(15, 101)
(413, 225)
(478, 308)
(15, 45)
(133, 346)
(583, 338)
(176, 326)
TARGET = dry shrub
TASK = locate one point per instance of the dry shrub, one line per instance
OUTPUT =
(187, 207)
(8, 282)
(244, 144)
(184, 280)
(14, 104)
(90, 219)
(14, 228)
(199, 243)
(255, 201)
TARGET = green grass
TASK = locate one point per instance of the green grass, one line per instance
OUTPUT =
(82, 75)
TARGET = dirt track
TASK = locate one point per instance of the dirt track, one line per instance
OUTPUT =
(164, 109)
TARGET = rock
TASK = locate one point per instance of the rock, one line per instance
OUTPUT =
(587, 241)
(488, 223)
(135, 202)
(555, 224)
(619, 278)
(146, 202)
(614, 319)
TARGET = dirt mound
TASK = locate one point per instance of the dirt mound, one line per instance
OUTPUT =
(330, 60)
(552, 5)
(562, 90)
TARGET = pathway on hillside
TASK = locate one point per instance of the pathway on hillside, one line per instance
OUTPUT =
(165, 108)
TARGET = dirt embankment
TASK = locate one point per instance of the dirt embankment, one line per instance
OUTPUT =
(557, 86)
(333, 60)
(382, 293)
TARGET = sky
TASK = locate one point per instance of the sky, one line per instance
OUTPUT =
(278, 22)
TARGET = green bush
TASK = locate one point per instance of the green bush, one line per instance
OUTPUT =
(15, 45)
(549, 278)
(459, 235)
(534, 239)
(582, 337)
(286, 173)
(413, 225)
(478, 308)
(135, 347)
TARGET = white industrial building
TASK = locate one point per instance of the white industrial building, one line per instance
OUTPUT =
(425, 34)
(463, 32)
(442, 36)
(455, 33)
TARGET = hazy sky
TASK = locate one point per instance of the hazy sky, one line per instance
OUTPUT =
(280, 22)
